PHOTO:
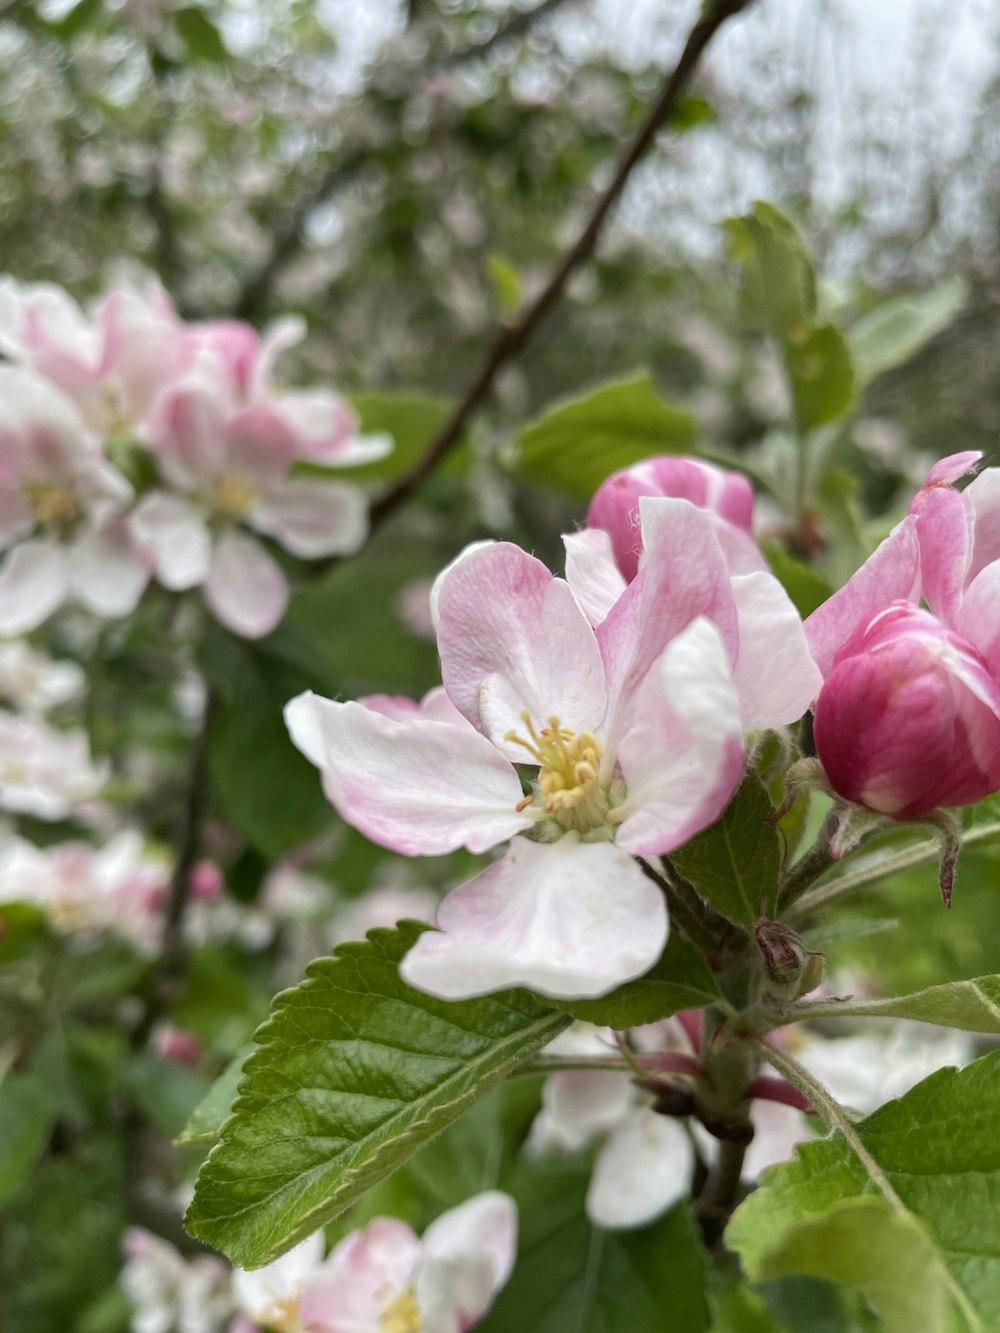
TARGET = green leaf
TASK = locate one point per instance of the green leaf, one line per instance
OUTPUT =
(248, 737)
(165, 1091)
(572, 1278)
(680, 980)
(898, 328)
(74, 21)
(28, 1110)
(736, 863)
(778, 285)
(820, 374)
(200, 35)
(208, 1116)
(505, 283)
(353, 1072)
(972, 1006)
(579, 442)
(931, 1161)
(805, 586)
(864, 1243)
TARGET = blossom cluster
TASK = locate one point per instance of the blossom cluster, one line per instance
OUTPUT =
(381, 1279)
(135, 445)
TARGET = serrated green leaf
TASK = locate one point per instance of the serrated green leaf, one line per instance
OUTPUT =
(353, 1072)
(736, 863)
(575, 444)
(933, 1157)
(898, 328)
(680, 980)
(208, 1116)
(572, 1278)
(820, 374)
(971, 1006)
(200, 35)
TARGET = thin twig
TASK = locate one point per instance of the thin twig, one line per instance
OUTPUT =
(512, 338)
(808, 868)
(720, 1193)
(288, 238)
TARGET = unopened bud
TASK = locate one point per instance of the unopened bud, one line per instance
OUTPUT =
(790, 968)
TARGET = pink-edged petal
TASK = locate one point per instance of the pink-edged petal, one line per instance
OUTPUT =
(106, 573)
(683, 758)
(436, 586)
(979, 617)
(313, 518)
(188, 433)
(34, 582)
(569, 919)
(642, 1170)
(950, 469)
(684, 576)
(420, 787)
(983, 494)
(245, 589)
(891, 573)
(266, 1292)
(484, 1230)
(396, 706)
(437, 707)
(175, 536)
(945, 534)
(592, 572)
(512, 638)
(775, 676)
(361, 1275)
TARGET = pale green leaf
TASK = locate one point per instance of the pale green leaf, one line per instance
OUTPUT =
(933, 1158)
(577, 443)
(972, 1005)
(898, 328)
(736, 863)
(208, 1116)
(353, 1072)
(820, 374)
(778, 285)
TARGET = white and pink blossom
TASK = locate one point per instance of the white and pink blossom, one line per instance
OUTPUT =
(31, 682)
(44, 772)
(170, 1293)
(61, 504)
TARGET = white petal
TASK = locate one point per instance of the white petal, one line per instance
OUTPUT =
(176, 537)
(245, 589)
(775, 676)
(106, 573)
(313, 518)
(644, 1167)
(568, 919)
(418, 786)
(34, 581)
(584, 1102)
(592, 572)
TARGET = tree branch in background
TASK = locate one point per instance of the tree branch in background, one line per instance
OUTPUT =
(289, 236)
(513, 337)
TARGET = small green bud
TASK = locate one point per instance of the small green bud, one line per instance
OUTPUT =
(789, 967)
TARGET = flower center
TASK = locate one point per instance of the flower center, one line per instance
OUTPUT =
(569, 790)
(232, 496)
(53, 506)
(284, 1317)
(401, 1314)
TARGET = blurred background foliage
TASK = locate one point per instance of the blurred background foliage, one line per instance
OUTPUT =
(405, 175)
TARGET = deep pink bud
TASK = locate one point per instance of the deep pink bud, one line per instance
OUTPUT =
(615, 506)
(908, 719)
(206, 881)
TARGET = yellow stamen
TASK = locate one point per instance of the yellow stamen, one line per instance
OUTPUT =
(232, 496)
(284, 1317)
(53, 506)
(401, 1314)
(568, 777)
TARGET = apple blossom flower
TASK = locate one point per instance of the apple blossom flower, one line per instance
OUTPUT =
(112, 363)
(614, 508)
(235, 357)
(60, 502)
(271, 1295)
(117, 889)
(228, 471)
(631, 735)
(908, 719)
(31, 682)
(169, 1293)
(45, 772)
(384, 1279)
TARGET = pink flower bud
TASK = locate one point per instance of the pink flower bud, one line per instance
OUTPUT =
(171, 1043)
(206, 881)
(908, 719)
(615, 506)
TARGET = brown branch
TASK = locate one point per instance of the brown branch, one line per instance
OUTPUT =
(288, 238)
(513, 338)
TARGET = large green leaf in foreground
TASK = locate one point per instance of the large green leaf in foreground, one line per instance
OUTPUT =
(912, 1221)
(354, 1071)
